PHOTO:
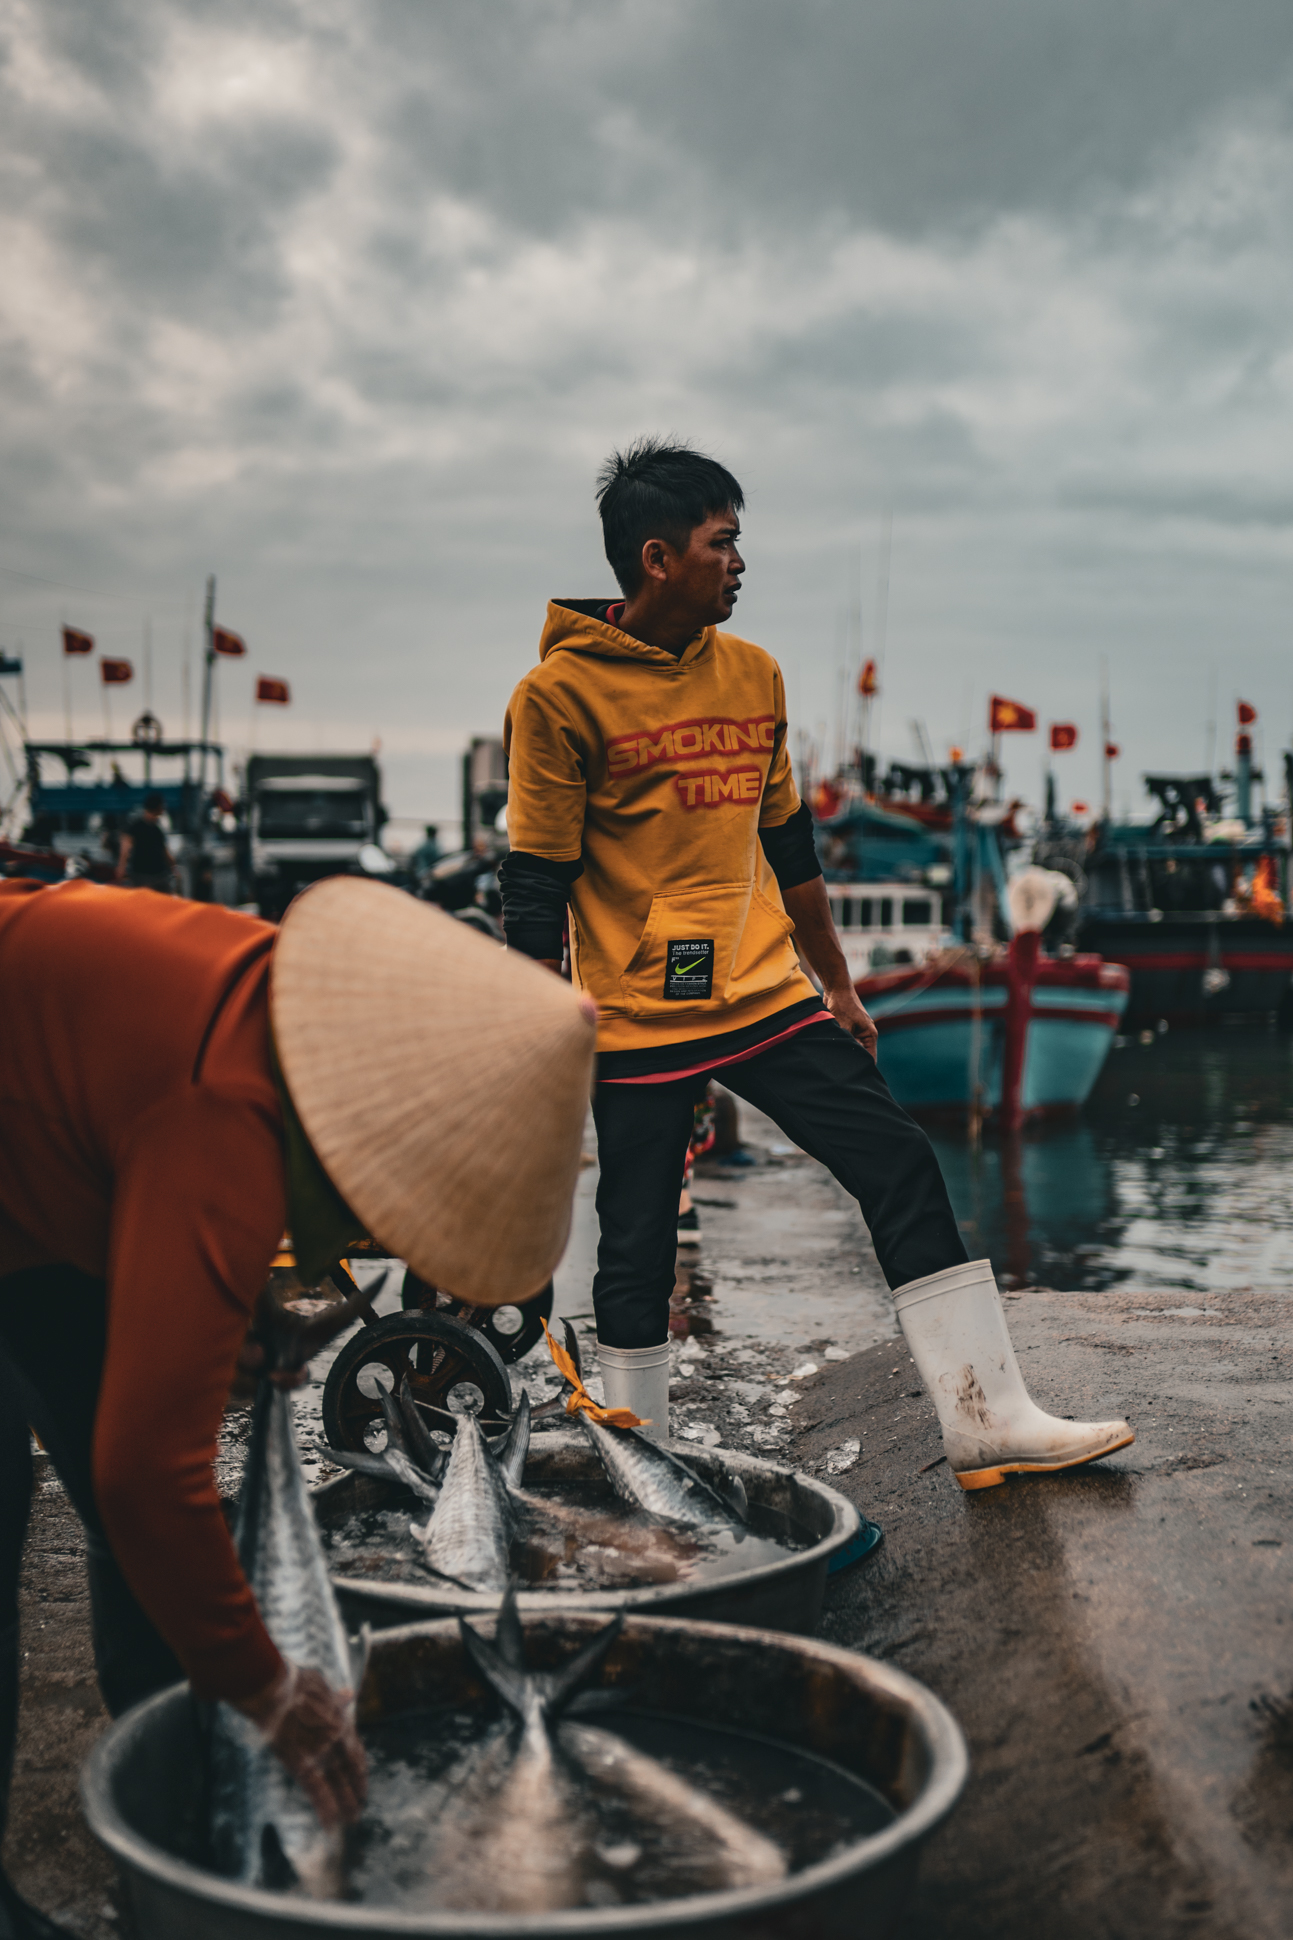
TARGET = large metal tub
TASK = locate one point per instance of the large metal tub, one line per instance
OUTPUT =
(142, 1785)
(783, 1595)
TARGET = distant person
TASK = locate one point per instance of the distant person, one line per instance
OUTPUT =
(650, 790)
(144, 861)
(426, 854)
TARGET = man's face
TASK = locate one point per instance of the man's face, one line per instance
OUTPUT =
(708, 574)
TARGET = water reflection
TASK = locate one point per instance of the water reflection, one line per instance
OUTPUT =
(1177, 1174)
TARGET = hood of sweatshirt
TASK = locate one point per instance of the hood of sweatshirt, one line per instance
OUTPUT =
(655, 772)
(581, 626)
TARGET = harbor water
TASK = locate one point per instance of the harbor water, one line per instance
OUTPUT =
(1175, 1175)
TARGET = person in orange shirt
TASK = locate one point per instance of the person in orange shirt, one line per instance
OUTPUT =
(652, 809)
(178, 1084)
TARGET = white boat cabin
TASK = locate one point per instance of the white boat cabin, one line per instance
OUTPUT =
(883, 925)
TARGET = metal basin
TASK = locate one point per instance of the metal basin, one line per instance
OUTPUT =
(142, 1785)
(782, 1595)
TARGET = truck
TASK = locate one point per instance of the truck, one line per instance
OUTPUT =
(308, 816)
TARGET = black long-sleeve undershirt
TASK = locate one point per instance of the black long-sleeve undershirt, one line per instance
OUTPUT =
(536, 890)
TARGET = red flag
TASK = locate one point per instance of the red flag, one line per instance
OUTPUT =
(232, 644)
(268, 689)
(1063, 735)
(868, 685)
(1111, 750)
(1079, 808)
(1247, 714)
(1010, 717)
(74, 641)
(115, 673)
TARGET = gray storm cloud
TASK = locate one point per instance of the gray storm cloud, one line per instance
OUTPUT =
(346, 302)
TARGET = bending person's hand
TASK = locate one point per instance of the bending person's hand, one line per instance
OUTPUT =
(309, 1727)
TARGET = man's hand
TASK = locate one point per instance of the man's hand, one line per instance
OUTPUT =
(309, 1727)
(849, 1012)
(808, 908)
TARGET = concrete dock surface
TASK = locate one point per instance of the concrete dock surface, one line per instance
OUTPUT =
(1117, 1642)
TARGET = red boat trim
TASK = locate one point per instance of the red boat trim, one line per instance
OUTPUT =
(1200, 960)
(906, 1020)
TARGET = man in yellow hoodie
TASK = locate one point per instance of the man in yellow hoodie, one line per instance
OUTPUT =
(652, 808)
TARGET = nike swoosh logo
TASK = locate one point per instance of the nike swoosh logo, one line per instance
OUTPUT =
(681, 969)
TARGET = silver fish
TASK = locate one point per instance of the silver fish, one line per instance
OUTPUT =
(647, 1474)
(516, 1837)
(469, 1533)
(718, 1850)
(263, 1828)
(511, 1449)
(429, 1456)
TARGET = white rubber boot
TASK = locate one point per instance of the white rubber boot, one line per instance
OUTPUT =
(638, 1378)
(956, 1330)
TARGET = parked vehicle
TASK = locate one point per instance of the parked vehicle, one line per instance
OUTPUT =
(309, 816)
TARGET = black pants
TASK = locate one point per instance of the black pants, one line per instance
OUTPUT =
(827, 1095)
(52, 1332)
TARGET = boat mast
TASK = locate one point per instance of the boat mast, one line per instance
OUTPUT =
(1106, 788)
(208, 665)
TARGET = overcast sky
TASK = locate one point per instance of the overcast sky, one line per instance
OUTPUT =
(344, 302)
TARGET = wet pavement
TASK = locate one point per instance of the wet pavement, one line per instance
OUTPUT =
(1118, 1643)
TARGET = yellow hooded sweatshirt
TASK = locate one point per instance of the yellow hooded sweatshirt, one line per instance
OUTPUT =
(658, 772)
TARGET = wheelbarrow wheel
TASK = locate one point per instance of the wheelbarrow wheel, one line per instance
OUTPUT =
(437, 1353)
(511, 1330)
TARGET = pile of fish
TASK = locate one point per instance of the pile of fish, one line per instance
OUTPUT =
(515, 1827)
(477, 1497)
(519, 1834)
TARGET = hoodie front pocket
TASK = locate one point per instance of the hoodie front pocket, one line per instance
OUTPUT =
(664, 979)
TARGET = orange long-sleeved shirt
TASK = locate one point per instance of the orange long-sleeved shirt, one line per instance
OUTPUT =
(141, 1141)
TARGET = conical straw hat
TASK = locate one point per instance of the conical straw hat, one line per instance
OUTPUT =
(442, 1081)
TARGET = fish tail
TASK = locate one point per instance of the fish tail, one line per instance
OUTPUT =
(277, 1873)
(396, 1434)
(423, 1450)
(507, 1681)
(572, 1348)
(564, 1684)
(509, 1639)
(511, 1449)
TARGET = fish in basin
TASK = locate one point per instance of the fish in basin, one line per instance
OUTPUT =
(645, 1472)
(263, 1829)
(521, 1832)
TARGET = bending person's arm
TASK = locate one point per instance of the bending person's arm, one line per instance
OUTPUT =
(198, 1211)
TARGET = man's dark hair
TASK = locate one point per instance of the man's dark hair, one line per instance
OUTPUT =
(154, 804)
(657, 489)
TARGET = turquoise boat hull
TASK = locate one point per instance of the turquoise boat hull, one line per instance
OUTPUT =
(943, 1032)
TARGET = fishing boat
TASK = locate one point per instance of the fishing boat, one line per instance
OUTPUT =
(82, 793)
(1193, 903)
(974, 1018)
(992, 1034)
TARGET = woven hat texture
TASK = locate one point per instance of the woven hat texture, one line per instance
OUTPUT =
(442, 1081)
